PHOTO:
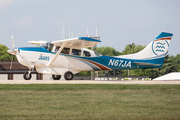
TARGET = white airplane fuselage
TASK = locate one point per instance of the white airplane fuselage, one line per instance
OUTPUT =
(67, 57)
(40, 61)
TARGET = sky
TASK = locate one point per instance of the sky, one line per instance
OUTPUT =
(121, 22)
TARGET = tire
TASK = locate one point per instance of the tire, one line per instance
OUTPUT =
(27, 76)
(68, 75)
(56, 77)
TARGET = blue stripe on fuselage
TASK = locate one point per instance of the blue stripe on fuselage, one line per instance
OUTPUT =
(35, 49)
(122, 63)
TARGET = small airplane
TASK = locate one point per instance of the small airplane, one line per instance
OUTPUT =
(70, 56)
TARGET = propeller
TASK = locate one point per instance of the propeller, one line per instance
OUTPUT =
(13, 42)
(12, 51)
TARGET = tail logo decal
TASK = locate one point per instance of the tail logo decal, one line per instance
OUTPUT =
(160, 46)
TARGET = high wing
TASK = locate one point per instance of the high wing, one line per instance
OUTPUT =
(77, 43)
(80, 42)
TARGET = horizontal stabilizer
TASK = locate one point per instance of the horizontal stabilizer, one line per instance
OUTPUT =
(141, 63)
(37, 42)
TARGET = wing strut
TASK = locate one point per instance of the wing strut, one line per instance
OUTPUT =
(51, 62)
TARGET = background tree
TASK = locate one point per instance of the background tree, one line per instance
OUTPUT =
(176, 61)
(4, 55)
(83, 73)
(108, 51)
(168, 66)
(132, 48)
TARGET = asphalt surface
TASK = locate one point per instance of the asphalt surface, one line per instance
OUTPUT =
(83, 82)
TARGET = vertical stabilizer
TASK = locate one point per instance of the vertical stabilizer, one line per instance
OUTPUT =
(161, 43)
(155, 49)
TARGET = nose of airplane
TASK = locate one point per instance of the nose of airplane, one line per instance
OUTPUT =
(12, 51)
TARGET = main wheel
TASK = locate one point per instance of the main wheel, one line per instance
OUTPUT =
(27, 76)
(68, 75)
(56, 77)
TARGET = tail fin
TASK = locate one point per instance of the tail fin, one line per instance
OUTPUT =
(157, 48)
(161, 43)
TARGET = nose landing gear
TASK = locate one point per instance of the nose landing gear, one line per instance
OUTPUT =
(27, 75)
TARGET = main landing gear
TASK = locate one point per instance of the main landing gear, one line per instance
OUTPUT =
(27, 75)
(67, 76)
(56, 77)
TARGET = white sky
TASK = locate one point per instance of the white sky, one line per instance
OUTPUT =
(121, 22)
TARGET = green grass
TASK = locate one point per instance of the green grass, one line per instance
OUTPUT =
(89, 101)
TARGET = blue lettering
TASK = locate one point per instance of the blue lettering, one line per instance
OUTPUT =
(121, 63)
(44, 58)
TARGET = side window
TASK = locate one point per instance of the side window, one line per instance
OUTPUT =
(86, 54)
(76, 52)
(56, 49)
(65, 51)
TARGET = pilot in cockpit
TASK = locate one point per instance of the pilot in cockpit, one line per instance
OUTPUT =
(57, 48)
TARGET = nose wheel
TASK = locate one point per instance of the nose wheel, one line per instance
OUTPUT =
(27, 75)
(68, 75)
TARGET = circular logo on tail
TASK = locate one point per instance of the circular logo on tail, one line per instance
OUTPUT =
(159, 47)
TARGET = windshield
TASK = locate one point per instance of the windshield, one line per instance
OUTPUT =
(97, 54)
(47, 46)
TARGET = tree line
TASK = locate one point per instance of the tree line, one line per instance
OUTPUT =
(171, 63)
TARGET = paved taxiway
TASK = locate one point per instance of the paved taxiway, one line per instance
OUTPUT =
(83, 82)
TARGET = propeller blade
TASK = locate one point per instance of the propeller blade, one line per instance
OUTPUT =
(13, 42)
(11, 62)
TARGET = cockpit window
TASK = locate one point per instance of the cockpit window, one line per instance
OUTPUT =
(97, 54)
(47, 46)
(65, 50)
(86, 54)
(76, 52)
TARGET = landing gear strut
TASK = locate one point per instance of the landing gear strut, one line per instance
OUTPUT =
(27, 75)
(68, 75)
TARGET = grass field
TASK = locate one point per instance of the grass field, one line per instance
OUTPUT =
(89, 101)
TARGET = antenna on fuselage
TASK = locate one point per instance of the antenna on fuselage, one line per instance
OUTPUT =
(13, 46)
(87, 32)
(69, 34)
(97, 30)
(61, 34)
(65, 31)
